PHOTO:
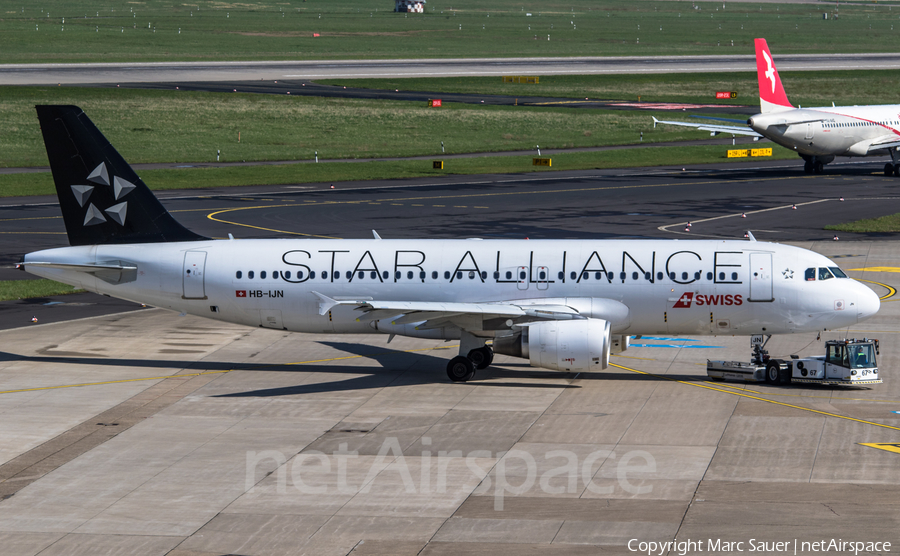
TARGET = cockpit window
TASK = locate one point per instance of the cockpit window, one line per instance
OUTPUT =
(825, 274)
(862, 356)
(810, 274)
(838, 273)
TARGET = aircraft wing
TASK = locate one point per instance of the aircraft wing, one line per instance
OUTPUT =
(714, 129)
(439, 313)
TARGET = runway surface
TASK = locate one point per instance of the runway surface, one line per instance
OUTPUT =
(144, 432)
(52, 74)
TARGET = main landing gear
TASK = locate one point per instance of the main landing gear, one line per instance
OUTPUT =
(892, 168)
(462, 368)
(815, 164)
(477, 356)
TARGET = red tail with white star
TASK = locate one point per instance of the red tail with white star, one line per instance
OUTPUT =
(771, 93)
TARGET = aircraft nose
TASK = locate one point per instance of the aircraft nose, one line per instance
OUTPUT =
(867, 303)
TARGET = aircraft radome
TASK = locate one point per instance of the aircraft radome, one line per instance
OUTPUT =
(564, 305)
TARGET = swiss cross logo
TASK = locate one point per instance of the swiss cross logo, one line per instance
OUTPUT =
(684, 302)
(240, 293)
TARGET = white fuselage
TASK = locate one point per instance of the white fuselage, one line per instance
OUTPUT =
(660, 286)
(830, 131)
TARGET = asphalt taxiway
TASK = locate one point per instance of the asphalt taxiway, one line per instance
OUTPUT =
(144, 432)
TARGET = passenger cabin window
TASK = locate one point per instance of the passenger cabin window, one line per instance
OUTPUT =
(250, 274)
(385, 275)
(825, 274)
(434, 274)
(238, 274)
(508, 275)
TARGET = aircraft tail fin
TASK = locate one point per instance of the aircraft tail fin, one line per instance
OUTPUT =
(102, 199)
(772, 97)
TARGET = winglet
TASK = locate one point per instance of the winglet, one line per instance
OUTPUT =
(325, 303)
(750, 236)
(772, 97)
(374, 233)
(655, 121)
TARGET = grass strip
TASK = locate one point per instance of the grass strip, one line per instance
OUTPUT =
(183, 126)
(203, 30)
(16, 185)
(26, 289)
(882, 224)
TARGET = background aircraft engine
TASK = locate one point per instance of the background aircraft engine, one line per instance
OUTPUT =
(567, 345)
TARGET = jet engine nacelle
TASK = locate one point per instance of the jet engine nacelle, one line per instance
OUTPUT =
(565, 345)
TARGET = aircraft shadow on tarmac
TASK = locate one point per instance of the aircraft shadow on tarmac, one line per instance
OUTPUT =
(415, 368)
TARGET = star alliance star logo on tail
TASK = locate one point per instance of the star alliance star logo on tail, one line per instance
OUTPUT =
(93, 215)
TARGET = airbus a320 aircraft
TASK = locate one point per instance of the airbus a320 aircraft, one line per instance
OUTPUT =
(816, 134)
(564, 305)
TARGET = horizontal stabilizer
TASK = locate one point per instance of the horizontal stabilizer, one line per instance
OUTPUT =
(113, 272)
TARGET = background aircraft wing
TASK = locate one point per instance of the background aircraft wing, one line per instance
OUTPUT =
(714, 129)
